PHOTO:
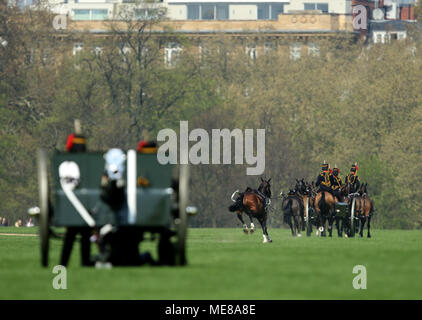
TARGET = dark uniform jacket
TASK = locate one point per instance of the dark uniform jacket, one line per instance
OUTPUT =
(337, 182)
(324, 179)
(353, 179)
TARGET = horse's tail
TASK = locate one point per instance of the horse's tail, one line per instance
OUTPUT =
(321, 203)
(237, 206)
(287, 210)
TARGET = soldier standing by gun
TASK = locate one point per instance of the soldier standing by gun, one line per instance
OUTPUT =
(76, 142)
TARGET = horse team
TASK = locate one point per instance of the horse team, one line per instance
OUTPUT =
(305, 206)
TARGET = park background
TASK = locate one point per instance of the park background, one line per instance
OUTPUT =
(353, 102)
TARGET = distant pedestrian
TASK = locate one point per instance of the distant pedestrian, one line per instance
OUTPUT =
(30, 223)
(18, 223)
(4, 222)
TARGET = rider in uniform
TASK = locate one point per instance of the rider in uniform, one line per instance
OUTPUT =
(325, 179)
(353, 178)
(337, 182)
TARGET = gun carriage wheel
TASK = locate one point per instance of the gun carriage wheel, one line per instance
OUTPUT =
(43, 190)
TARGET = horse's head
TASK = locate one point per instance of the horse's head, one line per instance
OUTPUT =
(301, 187)
(265, 187)
(309, 188)
(365, 189)
(345, 189)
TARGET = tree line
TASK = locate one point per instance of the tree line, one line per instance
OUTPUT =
(351, 102)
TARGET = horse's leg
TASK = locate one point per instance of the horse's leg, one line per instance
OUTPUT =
(297, 225)
(369, 226)
(252, 229)
(323, 223)
(265, 227)
(339, 226)
(330, 225)
(262, 221)
(245, 227)
(289, 221)
(362, 226)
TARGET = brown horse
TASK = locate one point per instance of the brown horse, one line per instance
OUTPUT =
(364, 209)
(293, 210)
(307, 194)
(324, 207)
(253, 204)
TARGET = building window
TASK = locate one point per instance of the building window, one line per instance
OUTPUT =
(251, 52)
(146, 14)
(99, 14)
(377, 37)
(90, 14)
(270, 46)
(263, 11)
(77, 47)
(222, 11)
(313, 49)
(276, 9)
(317, 6)
(171, 53)
(268, 11)
(193, 11)
(295, 51)
(81, 14)
(98, 51)
(208, 12)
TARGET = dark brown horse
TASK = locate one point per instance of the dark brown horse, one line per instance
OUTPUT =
(325, 210)
(364, 209)
(293, 211)
(254, 205)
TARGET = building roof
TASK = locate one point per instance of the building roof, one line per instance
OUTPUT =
(389, 25)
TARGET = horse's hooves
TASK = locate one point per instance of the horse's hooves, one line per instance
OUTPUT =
(252, 231)
(346, 236)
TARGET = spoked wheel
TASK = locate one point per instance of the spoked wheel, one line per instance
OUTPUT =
(44, 209)
(352, 219)
(308, 220)
(309, 224)
(181, 221)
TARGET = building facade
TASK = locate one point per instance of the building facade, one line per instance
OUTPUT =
(196, 9)
(387, 19)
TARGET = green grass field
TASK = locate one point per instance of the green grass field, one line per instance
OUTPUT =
(226, 264)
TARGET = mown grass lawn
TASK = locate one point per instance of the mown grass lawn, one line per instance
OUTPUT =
(226, 264)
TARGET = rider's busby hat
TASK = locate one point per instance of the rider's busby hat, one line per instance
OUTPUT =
(354, 168)
(336, 170)
(147, 147)
(325, 166)
(76, 142)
